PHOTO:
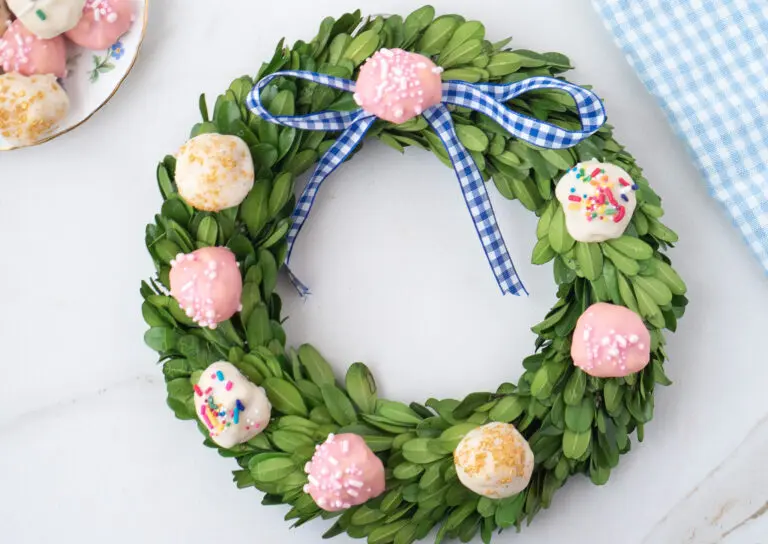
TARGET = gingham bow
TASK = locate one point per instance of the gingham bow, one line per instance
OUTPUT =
(487, 99)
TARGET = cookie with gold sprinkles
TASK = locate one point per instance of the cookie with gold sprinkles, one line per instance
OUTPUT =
(31, 108)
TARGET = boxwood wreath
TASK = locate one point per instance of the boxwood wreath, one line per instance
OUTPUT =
(575, 423)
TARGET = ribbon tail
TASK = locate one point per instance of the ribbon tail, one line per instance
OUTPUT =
(477, 200)
(328, 163)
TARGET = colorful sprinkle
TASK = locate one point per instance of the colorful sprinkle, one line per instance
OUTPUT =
(574, 198)
(220, 375)
(229, 386)
(198, 390)
(41, 15)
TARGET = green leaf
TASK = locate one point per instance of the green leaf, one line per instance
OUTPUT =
(466, 32)
(508, 409)
(575, 445)
(416, 22)
(632, 247)
(270, 467)
(542, 252)
(508, 510)
(472, 138)
(362, 47)
(627, 265)
(437, 35)
(670, 278)
(590, 260)
(470, 404)
(560, 158)
(613, 394)
(254, 210)
(559, 237)
(282, 189)
(575, 388)
(387, 533)
(397, 412)
(407, 471)
(361, 388)
(161, 339)
(282, 104)
(626, 293)
(285, 397)
(207, 231)
(290, 441)
(657, 289)
(503, 64)
(259, 328)
(320, 372)
(339, 405)
(463, 54)
(579, 417)
(648, 307)
(417, 451)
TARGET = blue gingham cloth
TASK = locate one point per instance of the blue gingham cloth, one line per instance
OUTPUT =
(484, 98)
(706, 61)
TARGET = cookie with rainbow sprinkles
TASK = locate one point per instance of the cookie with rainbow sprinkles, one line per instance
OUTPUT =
(598, 199)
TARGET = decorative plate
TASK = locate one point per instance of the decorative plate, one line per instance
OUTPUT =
(94, 76)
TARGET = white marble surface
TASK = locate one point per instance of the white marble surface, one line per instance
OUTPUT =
(88, 451)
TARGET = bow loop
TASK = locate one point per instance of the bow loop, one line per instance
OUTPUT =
(489, 99)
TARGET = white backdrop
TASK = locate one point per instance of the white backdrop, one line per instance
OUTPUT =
(88, 450)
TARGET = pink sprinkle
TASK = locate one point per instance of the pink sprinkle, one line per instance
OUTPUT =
(228, 387)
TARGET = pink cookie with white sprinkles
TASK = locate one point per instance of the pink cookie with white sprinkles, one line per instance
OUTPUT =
(207, 285)
(344, 472)
(24, 53)
(397, 86)
(610, 342)
(103, 22)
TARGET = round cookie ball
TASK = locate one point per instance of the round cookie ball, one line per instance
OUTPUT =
(610, 342)
(344, 472)
(598, 199)
(102, 23)
(47, 19)
(397, 86)
(23, 52)
(494, 461)
(233, 409)
(207, 285)
(31, 108)
(214, 172)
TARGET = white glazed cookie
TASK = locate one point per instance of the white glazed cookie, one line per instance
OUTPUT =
(31, 108)
(214, 172)
(48, 18)
(494, 461)
(598, 199)
(233, 409)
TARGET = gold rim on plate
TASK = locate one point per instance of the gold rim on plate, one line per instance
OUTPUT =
(106, 100)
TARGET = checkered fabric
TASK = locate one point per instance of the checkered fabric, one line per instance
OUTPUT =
(486, 99)
(706, 61)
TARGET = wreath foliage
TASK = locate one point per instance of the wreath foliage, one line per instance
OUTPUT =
(575, 424)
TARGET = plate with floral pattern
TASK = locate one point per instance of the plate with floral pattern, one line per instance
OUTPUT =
(93, 77)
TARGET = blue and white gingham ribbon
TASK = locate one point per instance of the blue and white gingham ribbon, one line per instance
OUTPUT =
(487, 99)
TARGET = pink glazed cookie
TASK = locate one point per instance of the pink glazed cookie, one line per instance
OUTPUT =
(344, 472)
(396, 85)
(207, 285)
(24, 53)
(610, 342)
(103, 22)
